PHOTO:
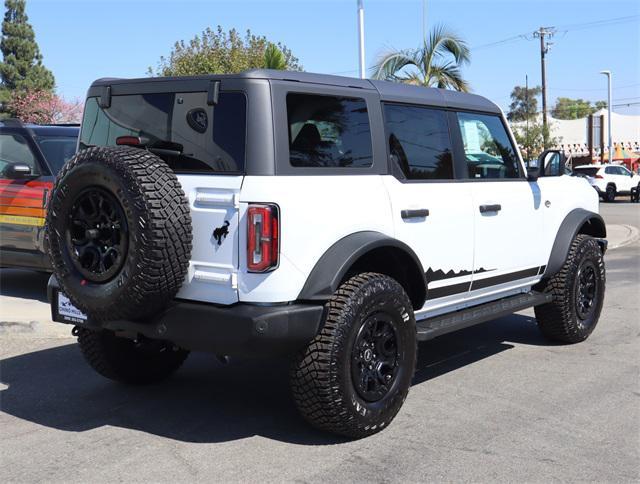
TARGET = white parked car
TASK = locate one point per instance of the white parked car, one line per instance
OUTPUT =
(610, 180)
(336, 220)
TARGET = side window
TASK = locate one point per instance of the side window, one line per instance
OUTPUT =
(419, 141)
(488, 149)
(609, 170)
(328, 131)
(14, 150)
(623, 171)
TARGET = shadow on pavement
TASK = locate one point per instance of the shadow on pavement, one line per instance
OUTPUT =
(204, 401)
(24, 284)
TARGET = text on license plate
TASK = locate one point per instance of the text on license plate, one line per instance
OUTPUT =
(67, 309)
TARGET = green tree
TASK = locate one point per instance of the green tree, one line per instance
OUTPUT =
(220, 52)
(601, 105)
(567, 108)
(524, 103)
(435, 64)
(274, 58)
(532, 138)
(21, 68)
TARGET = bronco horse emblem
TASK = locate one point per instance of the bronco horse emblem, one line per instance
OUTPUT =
(221, 233)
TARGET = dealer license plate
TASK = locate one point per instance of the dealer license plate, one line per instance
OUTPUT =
(68, 312)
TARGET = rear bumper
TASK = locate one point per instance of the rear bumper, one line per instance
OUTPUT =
(238, 330)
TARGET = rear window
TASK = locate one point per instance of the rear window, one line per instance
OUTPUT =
(328, 131)
(57, 150)
(586, 171)
(181, 128)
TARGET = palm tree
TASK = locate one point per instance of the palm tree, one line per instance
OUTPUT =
(435, 64)
(274, 58)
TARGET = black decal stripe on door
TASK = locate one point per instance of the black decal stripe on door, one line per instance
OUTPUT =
(504, 278)
(437, 292)
(440, 275)
(444, 291)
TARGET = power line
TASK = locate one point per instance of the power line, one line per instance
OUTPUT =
(591, 89)
(596, 23)
(563, 29)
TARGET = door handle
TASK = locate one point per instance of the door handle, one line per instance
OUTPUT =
(496, 207)
(415, 213)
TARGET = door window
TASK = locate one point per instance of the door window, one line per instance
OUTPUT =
(14, 150)
(488, 149)
(419, 141)
(57, 150)
(328, 131)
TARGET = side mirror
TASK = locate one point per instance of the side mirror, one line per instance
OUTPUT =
(533, 173)
(18, 171)
(551, 163)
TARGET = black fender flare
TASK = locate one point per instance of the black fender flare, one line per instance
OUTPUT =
(333, 266)
(577, 221)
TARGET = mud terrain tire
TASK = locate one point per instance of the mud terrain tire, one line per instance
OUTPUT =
(128, 361)
(369, 323)
(119, 233)
(578, 294)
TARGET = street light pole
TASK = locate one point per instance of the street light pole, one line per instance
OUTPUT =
(608, 74)
(361, 38)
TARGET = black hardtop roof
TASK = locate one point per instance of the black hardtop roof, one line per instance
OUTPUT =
(389, 91)
(71, 130)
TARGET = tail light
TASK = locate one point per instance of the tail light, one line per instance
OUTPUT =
(263, 237)
(599, 177)
(128, 141)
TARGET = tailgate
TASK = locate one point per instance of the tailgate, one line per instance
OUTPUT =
(213, 269)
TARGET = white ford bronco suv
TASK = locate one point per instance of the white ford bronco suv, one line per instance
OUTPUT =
(337, 220)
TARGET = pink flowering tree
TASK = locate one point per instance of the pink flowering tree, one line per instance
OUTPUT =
(44, 107)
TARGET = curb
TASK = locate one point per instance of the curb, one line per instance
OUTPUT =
(632, 235)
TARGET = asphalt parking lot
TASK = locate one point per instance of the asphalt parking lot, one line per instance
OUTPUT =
(491, 403)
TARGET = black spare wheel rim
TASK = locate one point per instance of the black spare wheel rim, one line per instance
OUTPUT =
(586, 291)
(97, 234)
(375, 357)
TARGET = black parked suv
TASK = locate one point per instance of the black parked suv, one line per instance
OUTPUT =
(30, 157)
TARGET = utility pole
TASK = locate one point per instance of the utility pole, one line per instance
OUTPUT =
(424, 21)
(361, 39)
(609, 75)
(526, 100)
(544, 48)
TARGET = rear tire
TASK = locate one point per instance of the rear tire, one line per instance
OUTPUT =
(354, 376)
(578, 294)
(610, 194)
(126, 361)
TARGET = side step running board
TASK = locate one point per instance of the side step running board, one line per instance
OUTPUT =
(446, 323)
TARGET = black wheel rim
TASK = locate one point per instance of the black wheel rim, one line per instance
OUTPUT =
(375, 357)
(587, 291)
(97, 235)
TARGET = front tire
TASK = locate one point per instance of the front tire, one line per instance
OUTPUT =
(128, 361)
(578, 294)
(635, 194)
(355, 374)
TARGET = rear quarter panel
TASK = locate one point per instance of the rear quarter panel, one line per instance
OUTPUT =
(315, 213)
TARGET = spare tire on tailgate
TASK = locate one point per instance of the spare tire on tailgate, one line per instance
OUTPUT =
(119, 232)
